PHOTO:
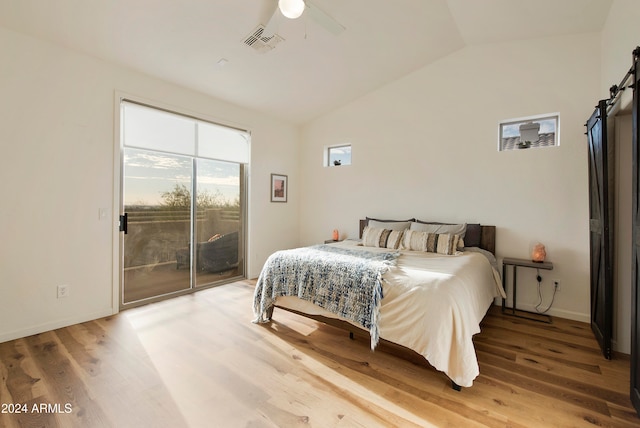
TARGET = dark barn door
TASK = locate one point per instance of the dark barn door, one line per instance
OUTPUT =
(635, 252)
(600, 230)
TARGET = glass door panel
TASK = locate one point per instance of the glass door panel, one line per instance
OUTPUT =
(218, 225)
(157, 201)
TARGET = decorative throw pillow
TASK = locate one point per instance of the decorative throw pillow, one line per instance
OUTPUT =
(440, 228)
(441, 243)
(414, 240)
(381, 238)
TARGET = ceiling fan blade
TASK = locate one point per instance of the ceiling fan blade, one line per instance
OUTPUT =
(272, 24)
(324, 19)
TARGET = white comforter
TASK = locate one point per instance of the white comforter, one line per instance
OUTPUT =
(432, 304)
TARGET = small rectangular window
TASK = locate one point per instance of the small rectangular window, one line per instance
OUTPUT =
(530, 132)
(338, 155)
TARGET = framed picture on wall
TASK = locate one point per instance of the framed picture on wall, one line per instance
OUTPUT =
(279, 187)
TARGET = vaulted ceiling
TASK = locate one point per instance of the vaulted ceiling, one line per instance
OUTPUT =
(200, 44)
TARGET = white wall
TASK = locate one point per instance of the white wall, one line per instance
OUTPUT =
(57, 171)
(426, 146)
(620, 36)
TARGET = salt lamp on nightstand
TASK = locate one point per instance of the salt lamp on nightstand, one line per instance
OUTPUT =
(538, 254)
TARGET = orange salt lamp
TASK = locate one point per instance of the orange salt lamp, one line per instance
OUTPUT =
(538, 254)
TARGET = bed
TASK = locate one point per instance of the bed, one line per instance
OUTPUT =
(402, 281)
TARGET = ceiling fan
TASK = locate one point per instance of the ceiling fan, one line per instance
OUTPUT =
(293, 9)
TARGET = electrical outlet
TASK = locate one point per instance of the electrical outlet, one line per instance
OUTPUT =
(556, 283)
(63, 291)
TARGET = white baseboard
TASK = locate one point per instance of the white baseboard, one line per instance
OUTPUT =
(560, 313)
(41, 328)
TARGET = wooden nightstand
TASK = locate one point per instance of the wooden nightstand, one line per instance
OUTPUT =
(515, 263)
(331, 241)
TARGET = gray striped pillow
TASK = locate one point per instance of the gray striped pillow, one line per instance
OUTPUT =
(381, 238)
(441, 243)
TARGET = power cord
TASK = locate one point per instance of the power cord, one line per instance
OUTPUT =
(555, 290)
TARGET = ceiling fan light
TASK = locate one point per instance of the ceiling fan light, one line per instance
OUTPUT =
(291, 8)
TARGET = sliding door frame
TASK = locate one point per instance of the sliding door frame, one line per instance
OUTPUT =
(601, 204)
(117, 203)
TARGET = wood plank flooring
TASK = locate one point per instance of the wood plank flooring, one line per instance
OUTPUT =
(198, 361)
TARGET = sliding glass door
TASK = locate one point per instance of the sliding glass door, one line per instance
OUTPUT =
(173, 242)
(218, 231)
(156, 188)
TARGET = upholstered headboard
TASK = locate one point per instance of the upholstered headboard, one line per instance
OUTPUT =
(487, 236)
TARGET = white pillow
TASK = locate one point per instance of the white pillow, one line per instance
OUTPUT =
(424, 227)
(391, 225)
(451, 229)
(456, 229)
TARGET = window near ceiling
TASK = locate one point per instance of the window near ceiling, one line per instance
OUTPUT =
(338, 155)
(530, 132)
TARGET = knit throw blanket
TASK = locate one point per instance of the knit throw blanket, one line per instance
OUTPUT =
(344, 281)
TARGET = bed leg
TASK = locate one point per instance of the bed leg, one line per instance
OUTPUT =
(270, 312)
(351, 335)
(455, 386)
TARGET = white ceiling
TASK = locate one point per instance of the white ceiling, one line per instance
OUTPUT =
(312, 71)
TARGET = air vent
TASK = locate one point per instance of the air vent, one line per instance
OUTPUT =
(262, 43)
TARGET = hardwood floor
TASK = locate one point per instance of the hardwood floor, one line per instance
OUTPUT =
(198, 361)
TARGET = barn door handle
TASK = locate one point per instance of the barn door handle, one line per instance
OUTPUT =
(123, 223)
